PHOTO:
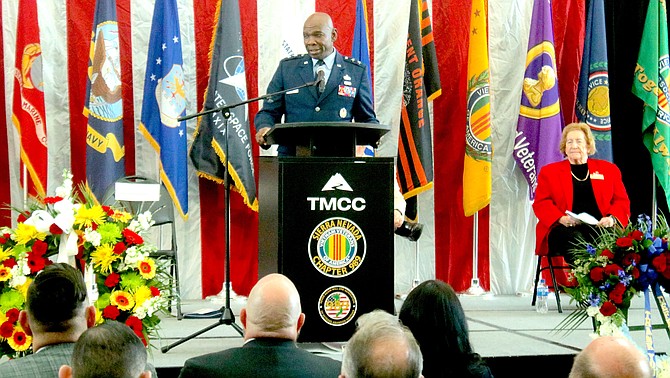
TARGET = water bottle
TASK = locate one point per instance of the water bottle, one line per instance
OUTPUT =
(542, 294)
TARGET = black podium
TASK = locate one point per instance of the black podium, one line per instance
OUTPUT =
(326, 222)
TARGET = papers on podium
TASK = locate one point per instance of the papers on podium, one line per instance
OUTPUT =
(584, 217)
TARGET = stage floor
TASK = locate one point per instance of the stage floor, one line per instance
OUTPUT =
(500, 326)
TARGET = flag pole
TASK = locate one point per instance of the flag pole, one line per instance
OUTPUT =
(417, 280)
(475, 288)
(25, 188)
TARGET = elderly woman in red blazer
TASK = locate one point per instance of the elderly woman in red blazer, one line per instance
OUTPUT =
(581, 185)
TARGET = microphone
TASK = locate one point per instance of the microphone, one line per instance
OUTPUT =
(321, 78)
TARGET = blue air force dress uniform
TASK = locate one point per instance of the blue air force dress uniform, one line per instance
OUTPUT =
(347, 95)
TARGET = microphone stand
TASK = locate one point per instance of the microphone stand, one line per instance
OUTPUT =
(227, 316)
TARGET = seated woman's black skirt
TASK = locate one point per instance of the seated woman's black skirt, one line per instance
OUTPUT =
(562, 240)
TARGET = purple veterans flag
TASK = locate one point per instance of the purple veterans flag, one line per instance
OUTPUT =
(538, 132)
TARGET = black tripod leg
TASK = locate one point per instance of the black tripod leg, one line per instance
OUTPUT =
(165, 349)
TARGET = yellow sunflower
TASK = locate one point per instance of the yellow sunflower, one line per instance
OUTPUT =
(25, 233)
(5, 274)
(123, 300)
(5, 253)
(147, 268)
(23, 288)
(87, 216)
(103, 257)
(19, 340)
(141, 295)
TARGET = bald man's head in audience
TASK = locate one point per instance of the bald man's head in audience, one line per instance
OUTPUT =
(611, 357)
(273, 309)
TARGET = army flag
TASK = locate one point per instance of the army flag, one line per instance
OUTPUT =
(478, 148)
(105, 152)
(164, 102)
(421, 84)
(223, 146)
(538, 132)
(593, 100)
(28, 114)
(360, 48)
(651, 86)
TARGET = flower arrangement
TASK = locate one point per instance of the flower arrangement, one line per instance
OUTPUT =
(105, 240)
(621, 262)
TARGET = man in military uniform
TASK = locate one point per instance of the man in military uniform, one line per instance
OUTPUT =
(346, 94)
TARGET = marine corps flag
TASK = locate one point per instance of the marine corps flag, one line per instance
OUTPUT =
(105, 152)
(227, 85)
(593, 100)
(651, 86)
(421, 84)
(28, 104)
(164, 102)
(478, 148)
(538, 132)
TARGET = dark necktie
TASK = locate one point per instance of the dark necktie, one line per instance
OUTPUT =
(320, 74)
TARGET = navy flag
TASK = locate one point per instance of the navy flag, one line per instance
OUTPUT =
(227, 85)
(593, 101)
(164, 102)
(105, 161)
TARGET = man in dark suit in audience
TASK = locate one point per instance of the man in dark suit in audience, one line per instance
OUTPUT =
(56, 314)
(272, 320)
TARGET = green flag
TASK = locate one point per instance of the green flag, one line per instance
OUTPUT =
(651, 86)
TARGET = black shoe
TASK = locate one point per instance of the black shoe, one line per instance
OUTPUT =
(411, 231)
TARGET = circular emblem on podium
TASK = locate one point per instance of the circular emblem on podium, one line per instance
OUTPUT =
(336, 247)
(337, 305)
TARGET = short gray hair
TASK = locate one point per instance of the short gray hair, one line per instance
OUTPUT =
(381, 347)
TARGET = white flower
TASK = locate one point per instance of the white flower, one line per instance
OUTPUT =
(65, 189)
(41, 220)
(65, 215)
(133, 256)
(92, 237)
(145, 220)
(593, 311)
(19, 272)
(134, 226)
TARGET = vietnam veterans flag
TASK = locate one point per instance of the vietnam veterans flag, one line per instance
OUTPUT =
(478, 148)
(593, 100)
(28, 104)
(651, 85)
(227, 86)
(538, 132)
(105, 152)
(164, 101)
(421, 84)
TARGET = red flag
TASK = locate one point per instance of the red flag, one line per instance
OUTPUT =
(28, 106)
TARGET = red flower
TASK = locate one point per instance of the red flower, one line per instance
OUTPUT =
(608, 308)
(612, 270)
(624, 242)
(635, 273)
(108, 210)
(119, 248)
(55, 230)
(597, 274)
(10, 262)
(112, 280)
(637, 235)
(666, 273)
(607, 253)
(659, 262)
(12, 315)
(131, 237)
(35, 263)
(52, 200)
(154, 291)
(631, 258)
(20, 338)
(111, 312)
(6, 329)
(39, 248)
(94, 226)
(136, 325)
(616, 295)
(22, 217)
(3, 239)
